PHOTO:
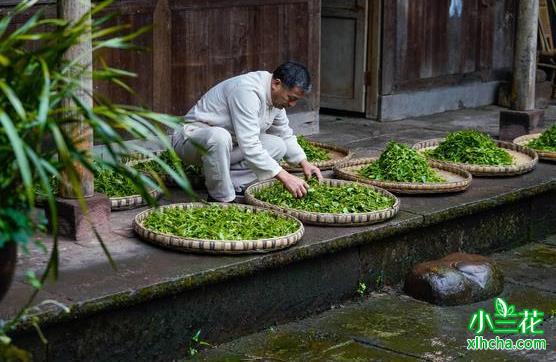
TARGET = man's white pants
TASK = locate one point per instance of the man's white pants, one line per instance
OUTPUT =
(223, 164)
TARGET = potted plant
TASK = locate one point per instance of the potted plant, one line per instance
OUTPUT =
(34, 143)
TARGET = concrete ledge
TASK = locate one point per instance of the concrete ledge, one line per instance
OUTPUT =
(404, 105)
(304, 123)
(236, 296)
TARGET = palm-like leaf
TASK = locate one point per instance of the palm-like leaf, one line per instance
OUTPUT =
(34, 80)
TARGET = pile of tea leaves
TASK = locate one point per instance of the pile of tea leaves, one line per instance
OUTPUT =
(113, 184)
(323, 198)
(400, 163)
(546, 142)
(472, 147)
(171, 160)
(219, 223)
(313, 153)
(106, 182)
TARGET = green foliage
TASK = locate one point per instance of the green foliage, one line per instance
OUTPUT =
(400, 163)
(40, 102)
(313, 153)
(361, 288)
(15, 225)
(196, 343)
(171, 159)
(219, 223)
(349, 198)
(472, 147)
(546, 142)
(35, 144)
(113, 184)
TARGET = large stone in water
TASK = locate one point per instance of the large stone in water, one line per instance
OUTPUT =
(457, 278)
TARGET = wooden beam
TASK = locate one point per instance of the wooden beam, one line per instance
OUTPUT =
(73, 10)
(523, 85)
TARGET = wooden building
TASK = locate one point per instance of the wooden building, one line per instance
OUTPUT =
(385, 59)
(401, 58)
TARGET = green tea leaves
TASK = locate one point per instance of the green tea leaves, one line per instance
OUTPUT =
(313, 153)
(546, 142)
(220, 223)
(472, 147)
(400, 163)
(324, 198)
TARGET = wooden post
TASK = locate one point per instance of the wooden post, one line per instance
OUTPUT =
(73, 10)
(525, 58)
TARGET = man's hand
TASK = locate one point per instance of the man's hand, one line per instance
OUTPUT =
(309, 170)
(295, 185)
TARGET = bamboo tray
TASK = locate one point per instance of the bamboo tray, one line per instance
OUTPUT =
(317, 218)
(337, 154)
(131, 202)
(116, 203)
(543, 155)
(215, 246)
(525, 159)
(457, 179)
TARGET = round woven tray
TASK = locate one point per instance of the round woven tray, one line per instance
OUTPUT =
(317, 218)
(131, 202)
(456, 178)
(116, 203)
(337, 154)
(215, 246)
(543, 155)
(525, 159)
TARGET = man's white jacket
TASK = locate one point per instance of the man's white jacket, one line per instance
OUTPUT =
(243, 106)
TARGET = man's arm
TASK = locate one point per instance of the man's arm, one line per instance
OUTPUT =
(294, 153)
(280, 127)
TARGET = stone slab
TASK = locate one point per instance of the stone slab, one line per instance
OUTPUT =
(518, 123)
(531, 265)
(150, 279)
(387, 322)
(436, 100)
(77, 224)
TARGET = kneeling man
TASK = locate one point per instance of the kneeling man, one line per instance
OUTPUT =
(239, 131)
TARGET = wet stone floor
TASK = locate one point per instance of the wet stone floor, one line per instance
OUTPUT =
(390, 326)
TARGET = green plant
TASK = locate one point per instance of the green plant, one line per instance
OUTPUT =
(220, 223)
(546, 142)
(470, 146)
(35, 144)
(348, 198)
(313, 153)
(113, 184)
(400, 163)
(196, 343)
(107, 181)
(171, 159)
(361, 288)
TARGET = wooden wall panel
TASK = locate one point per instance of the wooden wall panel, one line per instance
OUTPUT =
(216, 40)
(426, 46)
(194, 44)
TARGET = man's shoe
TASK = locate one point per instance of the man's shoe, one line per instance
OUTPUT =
(234, 201)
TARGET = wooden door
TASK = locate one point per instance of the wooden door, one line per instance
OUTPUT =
(343, 53)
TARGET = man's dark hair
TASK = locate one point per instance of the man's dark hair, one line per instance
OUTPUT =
(293, 74)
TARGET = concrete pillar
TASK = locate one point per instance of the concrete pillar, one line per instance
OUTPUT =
(523, 118)
(75, 222)
(525, 56)
(73, 10)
